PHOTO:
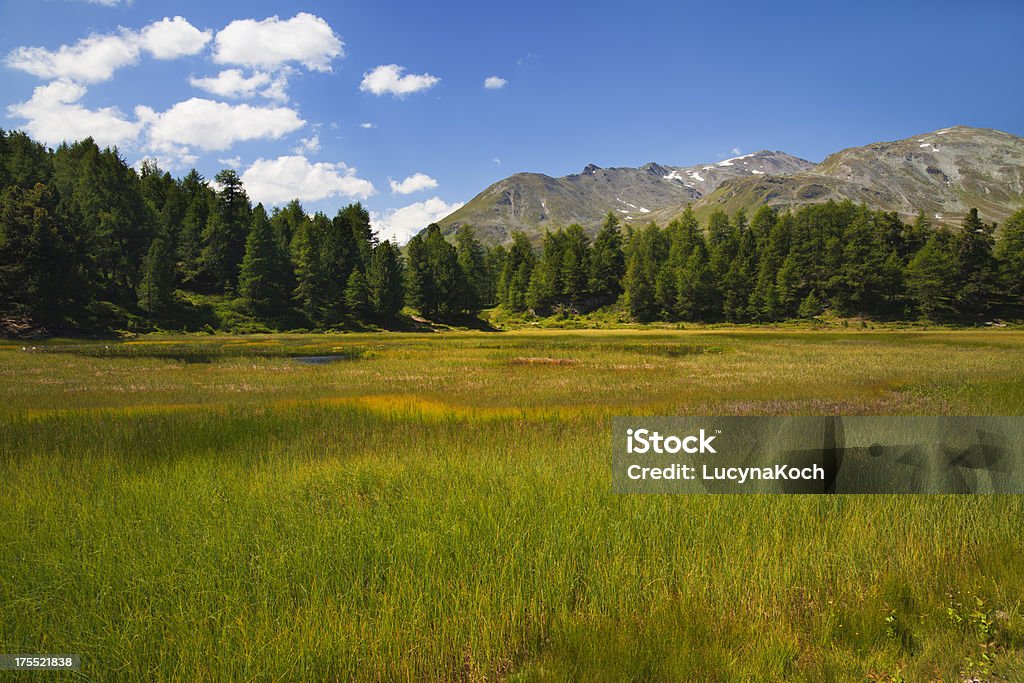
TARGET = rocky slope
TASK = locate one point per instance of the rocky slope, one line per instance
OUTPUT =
(943, 173)
(533, 202)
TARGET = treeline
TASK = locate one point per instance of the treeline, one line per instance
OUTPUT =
(772, 267)
(88, 243)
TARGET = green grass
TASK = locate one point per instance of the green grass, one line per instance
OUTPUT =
(439, 507)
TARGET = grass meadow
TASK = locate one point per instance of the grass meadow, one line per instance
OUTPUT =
(439, 507)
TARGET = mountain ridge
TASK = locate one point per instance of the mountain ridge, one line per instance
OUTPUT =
(943, 173)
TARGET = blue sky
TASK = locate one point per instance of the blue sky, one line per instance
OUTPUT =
(387, 102)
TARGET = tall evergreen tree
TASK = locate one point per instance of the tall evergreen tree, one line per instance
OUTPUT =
(434, 274)
(976, 262)
(384, 280)
(40, 271)
(357, 295)
(263, 277)
(607, 263)
(156, 290)
(514, 282)
(932, 276)
(575, 265)
(310, 276)
(1010, 255)
(473, 264)
(225, 233)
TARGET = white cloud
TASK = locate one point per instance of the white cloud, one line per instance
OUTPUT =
(310, 145)
(401, 224)
(495, 82)
(388, 79)
(367, 125)
(275, 181)
(414, 183)
(53, 115)
(210, 125)
(233, 162)
(90, 60)
(95, 58)
(233, 83)
(305, 38)
(172, 38)
(497, 161)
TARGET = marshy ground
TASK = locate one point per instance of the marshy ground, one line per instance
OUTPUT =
(439, 506)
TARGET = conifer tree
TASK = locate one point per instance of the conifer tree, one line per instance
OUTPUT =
(473, 264)
(931, 276)
(357, 295)
(156, 290)
(263, 278)
(607, 263)
(1010, 255)
(384, 281)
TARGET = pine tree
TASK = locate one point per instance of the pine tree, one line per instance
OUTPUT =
(224, 236)
(357, 295)
(607, 263)
(494, 264)
(932, 277)
(40, 272)
(1010, 255)
(263, 277)
(472, 259)
(433, 280)
(310, 278)
(977, 267)
(575, 264)
(156, 291)
(811, 306)
(695, 287)
(546, 279)
(516, 274)
(384, 280)
(638, 289)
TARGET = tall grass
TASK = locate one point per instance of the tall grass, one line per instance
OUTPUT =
(433, 510)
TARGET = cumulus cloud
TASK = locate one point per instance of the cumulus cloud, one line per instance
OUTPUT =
(53, 115)
(388, 79)
(414, 183)
(210, 125)
(276, 181)
(90, 60)
(495, 82)
(233, 162)
(235, 84)
(401, 224)
(173, 38)
(367, 125)
(305, 38)
(310, 145)
(95, 58)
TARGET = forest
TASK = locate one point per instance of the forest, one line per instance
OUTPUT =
(89, 244)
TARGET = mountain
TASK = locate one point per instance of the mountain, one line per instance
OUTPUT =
(943, 173)
(533, 202)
